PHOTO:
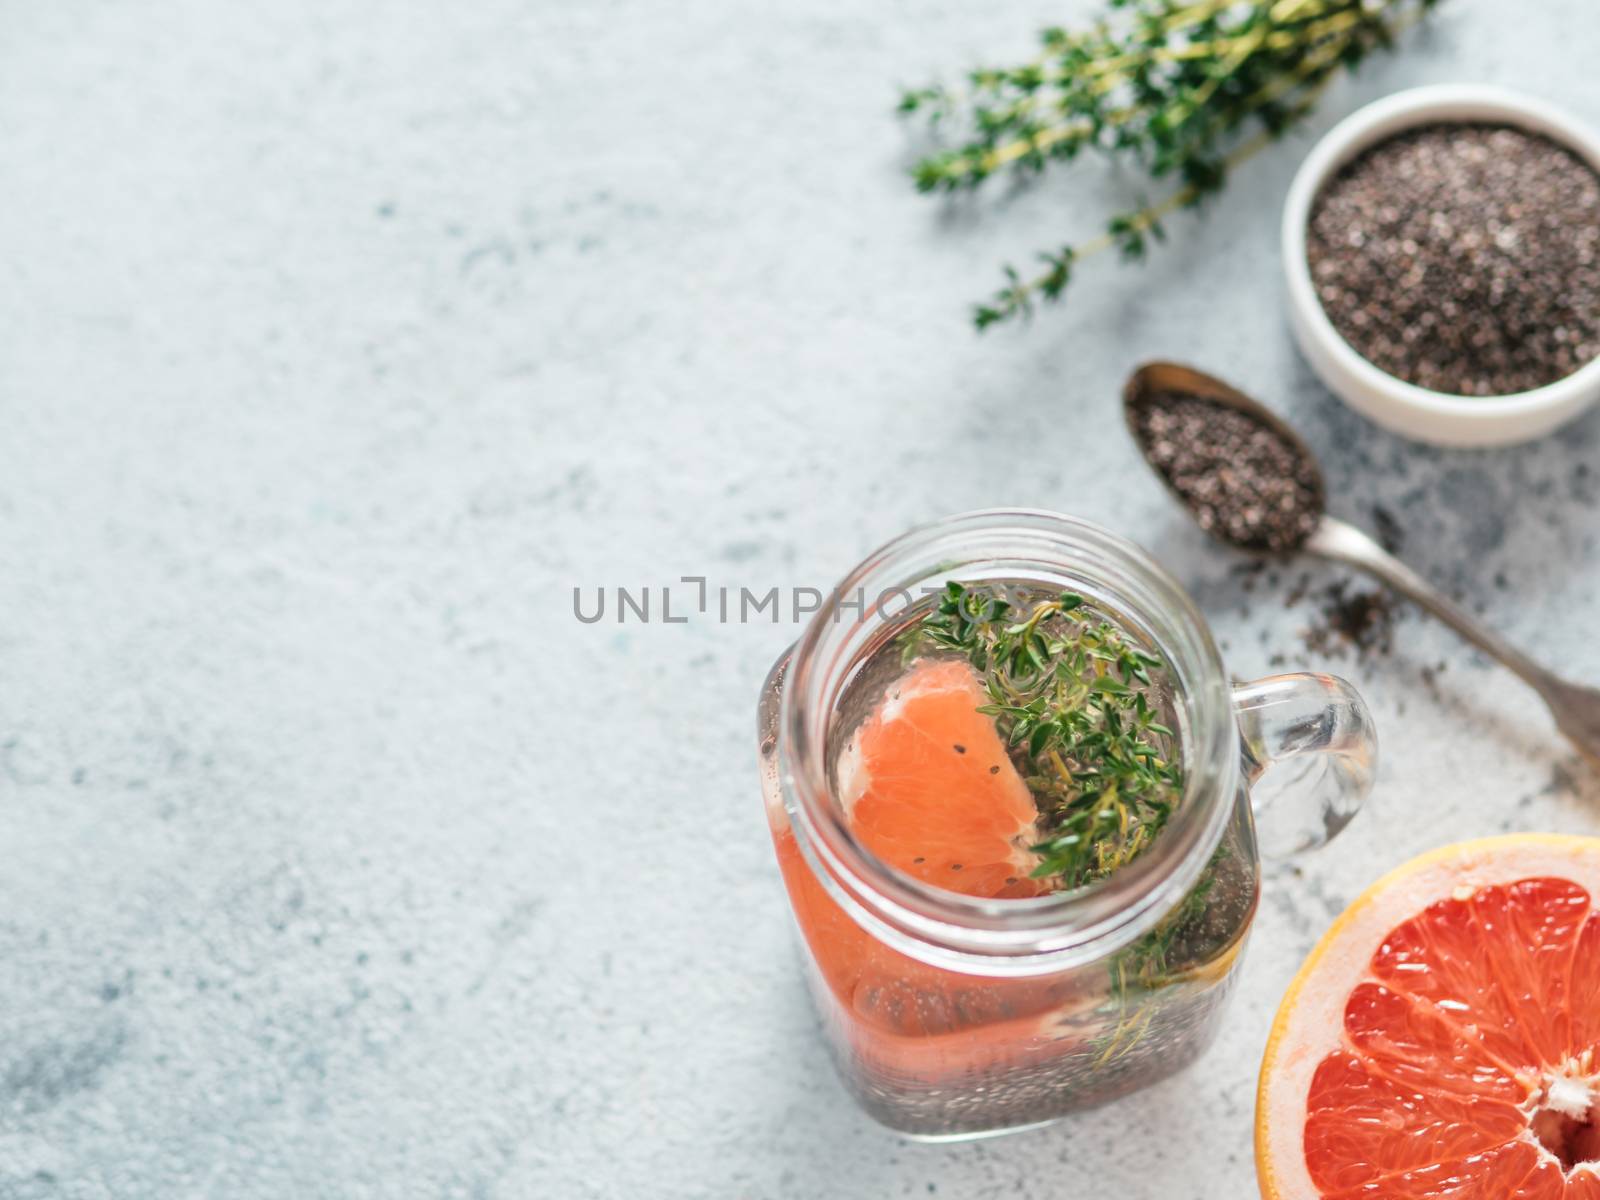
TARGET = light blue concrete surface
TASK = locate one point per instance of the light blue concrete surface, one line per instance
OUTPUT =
(340, 341)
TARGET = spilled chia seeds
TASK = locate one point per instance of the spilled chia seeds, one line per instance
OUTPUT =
(1463, 258)
(1359, 618)
(1345, 617)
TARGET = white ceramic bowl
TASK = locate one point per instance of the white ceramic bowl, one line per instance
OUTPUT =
(1405, 408)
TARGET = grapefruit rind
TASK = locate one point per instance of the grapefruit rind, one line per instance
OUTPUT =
(1310, 1018)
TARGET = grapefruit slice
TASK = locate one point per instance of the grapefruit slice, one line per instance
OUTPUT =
(1443, 1039)
(928, 787)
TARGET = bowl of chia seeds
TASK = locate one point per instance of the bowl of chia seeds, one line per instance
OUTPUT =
(1442, 248)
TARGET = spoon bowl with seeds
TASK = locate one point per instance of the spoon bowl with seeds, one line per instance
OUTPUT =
(1250, 481)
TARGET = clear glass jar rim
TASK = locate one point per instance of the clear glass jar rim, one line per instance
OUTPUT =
(1031, 934)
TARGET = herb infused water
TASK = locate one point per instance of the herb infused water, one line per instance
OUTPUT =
(1009, 742)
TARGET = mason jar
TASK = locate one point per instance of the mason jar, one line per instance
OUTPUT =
(953, 1016)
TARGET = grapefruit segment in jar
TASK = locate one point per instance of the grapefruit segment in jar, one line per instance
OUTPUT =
(929, 788)
(1443, 1039)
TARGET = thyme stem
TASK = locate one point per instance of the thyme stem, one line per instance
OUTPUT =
(1174, 86)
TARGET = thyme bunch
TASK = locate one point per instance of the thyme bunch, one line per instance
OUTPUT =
(1069, 695)
(1174, 86)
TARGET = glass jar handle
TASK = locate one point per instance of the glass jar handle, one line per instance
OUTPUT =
(1310, 754)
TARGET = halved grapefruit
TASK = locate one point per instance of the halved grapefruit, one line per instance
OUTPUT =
(1443, 1039)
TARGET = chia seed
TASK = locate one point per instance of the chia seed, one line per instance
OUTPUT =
(1241, 479)
(1363, 619)
(1463, 258)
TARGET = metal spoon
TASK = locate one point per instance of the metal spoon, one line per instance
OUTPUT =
(1575, 708)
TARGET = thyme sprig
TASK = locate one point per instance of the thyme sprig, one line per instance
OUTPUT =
(1069, 694)
(1175, 86)
(1143, 969)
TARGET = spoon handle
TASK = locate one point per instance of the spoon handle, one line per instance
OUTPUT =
(1335, 540)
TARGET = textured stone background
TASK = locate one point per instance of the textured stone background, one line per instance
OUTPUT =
(339, 341)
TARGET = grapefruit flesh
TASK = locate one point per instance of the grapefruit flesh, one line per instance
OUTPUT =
(1443, 1039)
(928, 787)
